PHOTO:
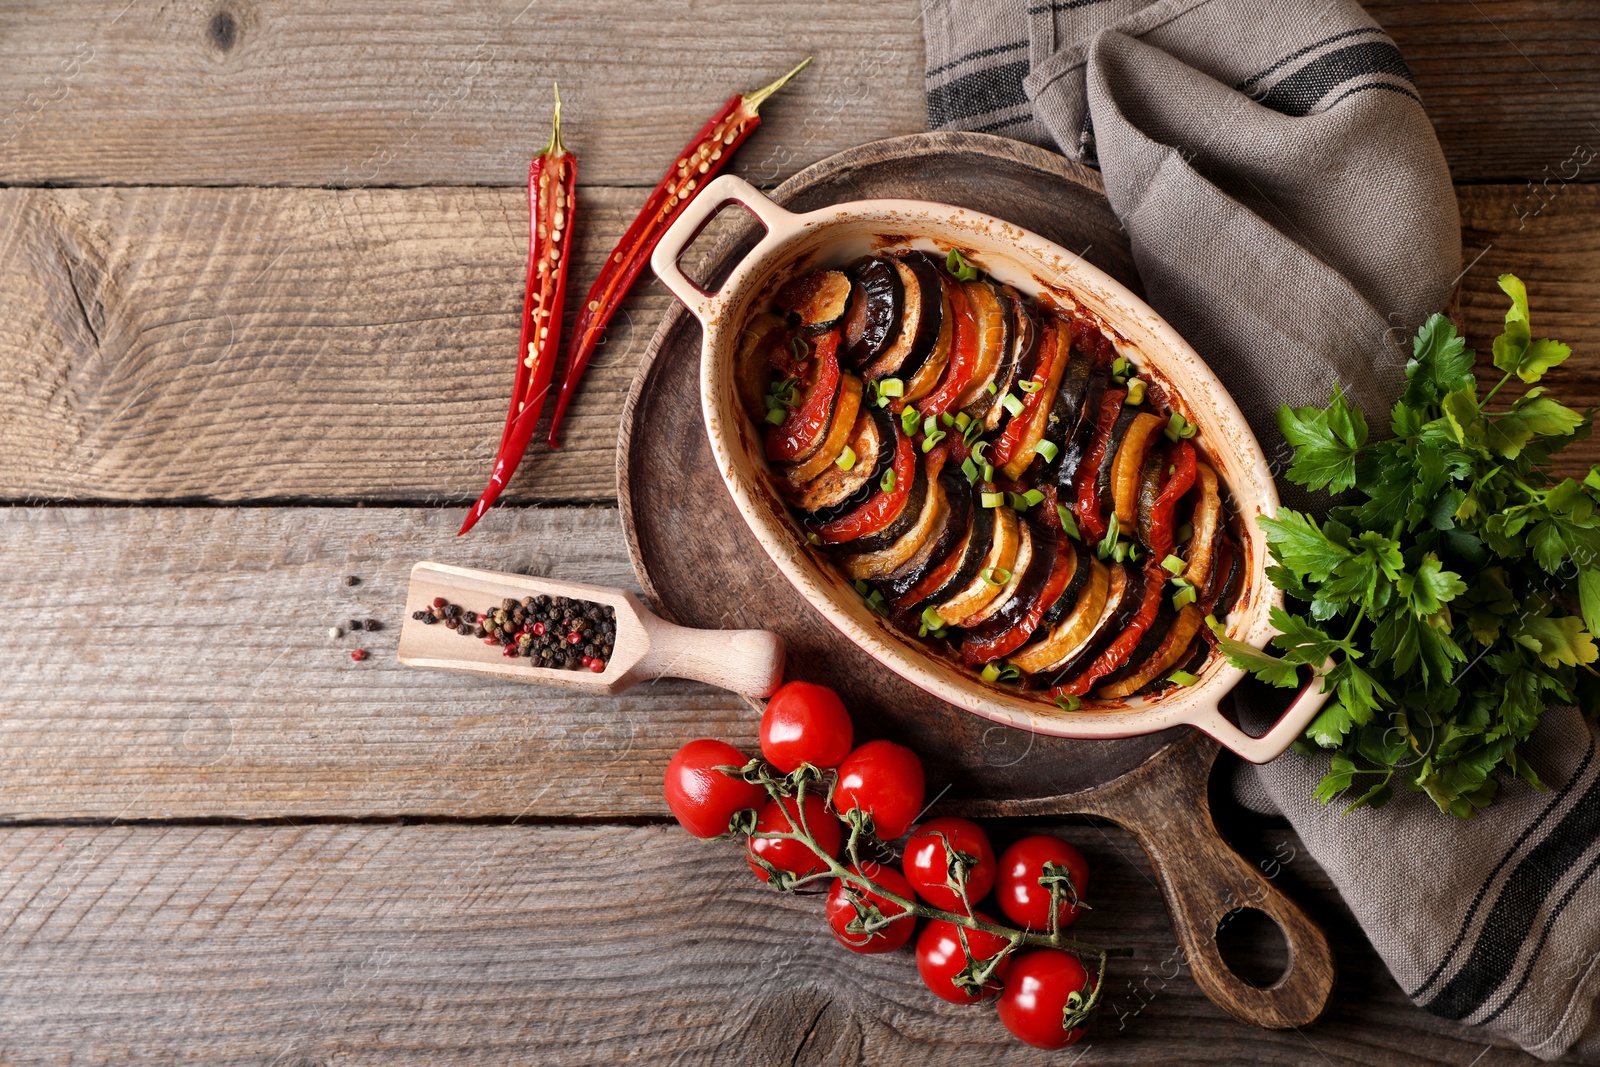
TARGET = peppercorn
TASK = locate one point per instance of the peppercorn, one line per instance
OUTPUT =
(351, 579)
(429, 619)
(334, 633)
(590, 650)
(370, 625)
(507, 604)
(439, 601)
(358, 654)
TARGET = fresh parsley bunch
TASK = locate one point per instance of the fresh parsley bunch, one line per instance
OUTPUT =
(1459, 595)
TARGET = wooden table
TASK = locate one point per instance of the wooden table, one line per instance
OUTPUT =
(259, 276)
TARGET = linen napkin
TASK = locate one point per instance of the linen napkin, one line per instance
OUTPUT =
(1290, 212)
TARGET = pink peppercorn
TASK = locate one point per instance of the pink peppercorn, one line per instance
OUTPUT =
(597, 665)
(574, 638)
(358, 654)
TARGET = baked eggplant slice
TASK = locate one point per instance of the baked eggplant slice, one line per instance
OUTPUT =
(1132, 633)
(1227, 574)
(877, 303)
(875, 564)
(1128, 467)
(818, 301)
(946, 581)
(1120, 614)
(1009, 628)
(1081, 436)
(1151, 478)
(1054, 613)
(945, 542)
(976, 593)
(1108, 459)
(1174, 646)
(1065, 412)
(989, 311)
(1150, 643)
(845, 409)
(1027, 586)
(926, 378)
(1004, 590)
(1092, 633)
(835, 492)
(752, 368)
(922, 314)
(1077, 625)
(905, 518)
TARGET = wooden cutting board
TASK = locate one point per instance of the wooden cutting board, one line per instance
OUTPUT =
(701, 566)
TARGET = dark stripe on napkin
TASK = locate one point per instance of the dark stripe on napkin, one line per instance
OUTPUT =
(996, 88)
(1299, 93)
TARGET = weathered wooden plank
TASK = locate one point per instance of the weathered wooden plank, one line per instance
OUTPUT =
(176, 662)
(371, 94)
(571, 945)
(368, 94)
(239, 344)
(291, 344)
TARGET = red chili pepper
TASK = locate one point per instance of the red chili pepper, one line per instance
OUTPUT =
(1179, 482)
(1115, 655)
(552, 199)
(707, 154)
(802, 427)
(1091, 523)
(881, 509)
(976, 652)
(963, 354)
(1017, 426)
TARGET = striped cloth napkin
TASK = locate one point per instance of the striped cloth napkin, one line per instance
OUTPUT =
(1290, 212)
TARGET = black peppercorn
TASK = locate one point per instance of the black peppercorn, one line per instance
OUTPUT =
(351, 579)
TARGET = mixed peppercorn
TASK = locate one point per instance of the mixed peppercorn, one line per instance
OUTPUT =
(556, 632)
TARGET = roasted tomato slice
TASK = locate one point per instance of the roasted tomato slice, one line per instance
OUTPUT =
(805, 425)
(1087, 504)
(883, 506)
(963, 354)
(1117, 653)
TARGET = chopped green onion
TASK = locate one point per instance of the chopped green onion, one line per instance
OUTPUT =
(877, 603)
(959, 267)
(1134, 551)
(846, 460)
(1217, 626)
(862, 587)
(886, 483)
(1012, 404)
(777, 415)
(973, 431)
(992, 500)
(996, 576)
(1119, 366)
(979, 449)
(1183, 678)
(798, 346)
(1069, 525)
(1185, 597)
(908, 421)
(1047, 449)
(1069, 702)
(932, 619)
(993, 388)
(891, 387)
(1180, 428)
(1010, 673)
(1189, 430)
(1173, 564)
(932, 439)
(1109, 542)
(1032, 497)
(970, 469)
(990, 673)
(1030, 386)
(1115, 380)
(963, 420)
(1136, 389)
(946, 419)
(988, 472)
(1015, 502)
(930, 424)
(1185, 532)
(1120, 552)
(813, 539)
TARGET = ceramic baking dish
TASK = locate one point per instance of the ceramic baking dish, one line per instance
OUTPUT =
(834, 236)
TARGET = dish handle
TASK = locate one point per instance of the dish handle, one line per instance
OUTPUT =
(725, 190)
(1209, 719)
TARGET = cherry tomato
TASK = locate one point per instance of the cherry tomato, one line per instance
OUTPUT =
(793, 856)
(940, 958)
(702, 798)
(842, 909)
(805, 723)
(1038, 986)
(884, 780)
(1017, 888)
(927, 863)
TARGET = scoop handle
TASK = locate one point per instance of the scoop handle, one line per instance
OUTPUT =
(748, 662)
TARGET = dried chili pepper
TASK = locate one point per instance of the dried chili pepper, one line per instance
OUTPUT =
(552, 198)
(707, 154)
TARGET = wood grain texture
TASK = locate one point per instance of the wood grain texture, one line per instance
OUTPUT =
(242, 92)
(311, 345)
(365, 93)
(176, 663)
(445, 945)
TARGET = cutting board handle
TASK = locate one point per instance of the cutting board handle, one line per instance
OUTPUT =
(1165, 804)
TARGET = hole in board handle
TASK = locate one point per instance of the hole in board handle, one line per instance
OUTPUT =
(1253, 946)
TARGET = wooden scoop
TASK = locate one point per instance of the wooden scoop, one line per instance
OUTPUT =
(749, 662)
